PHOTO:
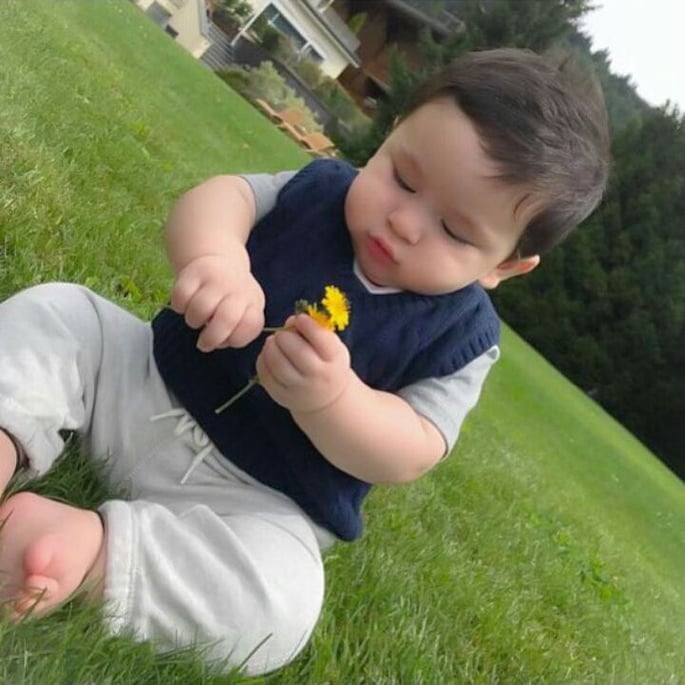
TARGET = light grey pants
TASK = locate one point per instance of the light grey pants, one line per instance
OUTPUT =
(201, 553)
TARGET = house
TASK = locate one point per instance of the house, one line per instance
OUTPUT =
(186, 21)
(314, 29)
(384, 25)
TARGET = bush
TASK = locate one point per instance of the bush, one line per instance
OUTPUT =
(350, 127)
(339, 101)
(330, 93)
(235, 10)
(308, 71)
(265, 83)
(237, 78)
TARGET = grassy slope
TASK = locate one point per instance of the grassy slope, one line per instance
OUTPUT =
(549, 548)
(102, 125)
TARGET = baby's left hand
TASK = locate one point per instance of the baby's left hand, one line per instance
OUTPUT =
(305, 367)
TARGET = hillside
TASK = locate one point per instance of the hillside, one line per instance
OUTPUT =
(548, 548)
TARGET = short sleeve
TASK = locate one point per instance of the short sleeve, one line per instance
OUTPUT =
(446, 401)
(265, 188)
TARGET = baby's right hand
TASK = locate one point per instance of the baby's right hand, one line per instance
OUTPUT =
(219, 293)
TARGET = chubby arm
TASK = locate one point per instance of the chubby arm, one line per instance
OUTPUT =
(373, 435)
(205, 237)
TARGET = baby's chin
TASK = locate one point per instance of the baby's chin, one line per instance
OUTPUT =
(364, 276)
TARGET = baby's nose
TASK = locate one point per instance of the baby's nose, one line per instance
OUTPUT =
(405, 222)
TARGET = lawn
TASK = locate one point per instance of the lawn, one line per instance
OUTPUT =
(549, 548)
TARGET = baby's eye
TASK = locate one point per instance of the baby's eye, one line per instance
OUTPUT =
(401, 183)
(453, 235)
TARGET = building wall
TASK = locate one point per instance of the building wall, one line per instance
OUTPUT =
(187, 22)
(334, 60)
(184, 21)
(384, 29)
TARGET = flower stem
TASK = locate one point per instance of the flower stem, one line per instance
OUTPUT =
(253, 381)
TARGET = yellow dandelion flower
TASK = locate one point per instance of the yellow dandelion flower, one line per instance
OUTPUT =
(338, 307)
(321, 317)
(333, 313)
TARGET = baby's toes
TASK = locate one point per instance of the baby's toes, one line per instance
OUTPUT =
(39, 596)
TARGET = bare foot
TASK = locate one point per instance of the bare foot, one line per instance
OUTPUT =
(47, 550)
(8, 459)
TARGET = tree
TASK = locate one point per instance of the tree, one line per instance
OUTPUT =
(616, 290)
(533, 24)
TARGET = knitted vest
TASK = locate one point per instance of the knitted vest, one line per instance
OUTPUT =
(396, 339)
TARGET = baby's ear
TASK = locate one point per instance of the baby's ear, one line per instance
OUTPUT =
(508, 269)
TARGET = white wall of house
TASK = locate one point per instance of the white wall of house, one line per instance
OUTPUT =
(333, 59)
(185, 20)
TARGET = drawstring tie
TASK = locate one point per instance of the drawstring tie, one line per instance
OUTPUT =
(200, 438)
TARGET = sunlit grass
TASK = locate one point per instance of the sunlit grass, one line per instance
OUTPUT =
(549, 548)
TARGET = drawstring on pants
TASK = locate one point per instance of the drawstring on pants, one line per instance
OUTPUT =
(200, 438)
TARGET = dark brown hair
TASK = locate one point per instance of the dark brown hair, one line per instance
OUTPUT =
(542, 120)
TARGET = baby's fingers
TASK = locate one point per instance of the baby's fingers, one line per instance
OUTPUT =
(182, 292)
(201, 307)
(232, 325)
(326, 343)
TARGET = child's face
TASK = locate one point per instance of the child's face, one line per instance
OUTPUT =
(426, 213)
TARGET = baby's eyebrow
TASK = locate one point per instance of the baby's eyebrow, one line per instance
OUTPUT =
(463, 221)
(408, 158)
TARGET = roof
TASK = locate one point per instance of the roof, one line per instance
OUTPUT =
(442, 16)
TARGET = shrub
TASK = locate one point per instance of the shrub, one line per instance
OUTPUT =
(339, 101)
(350, 118)
(236, 77)
(266, 83)
(230, 14)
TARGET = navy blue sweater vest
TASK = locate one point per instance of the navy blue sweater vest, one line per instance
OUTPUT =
(301, 246)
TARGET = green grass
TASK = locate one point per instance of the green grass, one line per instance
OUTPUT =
(549, 548)
(102, 125)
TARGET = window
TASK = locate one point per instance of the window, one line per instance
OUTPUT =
(311, 54)
(302, 46)
(282, 25)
